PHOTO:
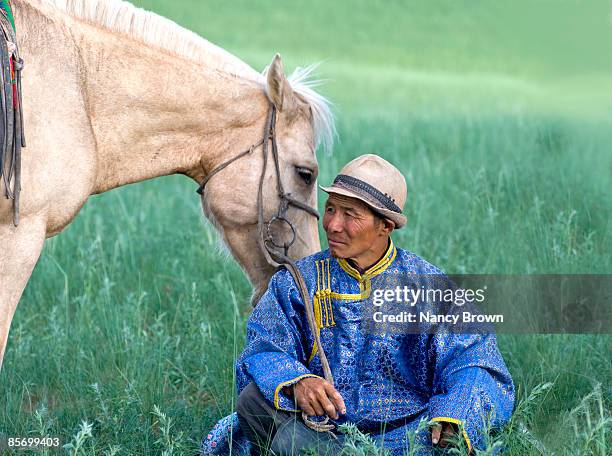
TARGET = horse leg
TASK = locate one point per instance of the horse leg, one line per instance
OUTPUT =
(20, 248)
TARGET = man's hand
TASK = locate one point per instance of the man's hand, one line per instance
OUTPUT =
(442, 433)
(316, 396)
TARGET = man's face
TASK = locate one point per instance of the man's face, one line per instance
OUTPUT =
(350, 225)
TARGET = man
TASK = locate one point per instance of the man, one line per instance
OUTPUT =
(384, 384)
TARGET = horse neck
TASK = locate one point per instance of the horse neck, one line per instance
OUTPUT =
(154, 113)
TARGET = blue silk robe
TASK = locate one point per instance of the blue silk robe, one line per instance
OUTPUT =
(388, 382)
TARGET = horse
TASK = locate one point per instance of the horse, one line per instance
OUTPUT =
(113, 95)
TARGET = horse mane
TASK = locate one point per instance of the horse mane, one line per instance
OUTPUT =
(123, 17)
(303, 83)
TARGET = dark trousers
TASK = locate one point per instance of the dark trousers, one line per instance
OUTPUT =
(282, 432)
(259, 420)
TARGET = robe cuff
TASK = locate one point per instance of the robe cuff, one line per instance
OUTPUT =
(272, 371)
(281, 400)
(460, 424)
(464, 404)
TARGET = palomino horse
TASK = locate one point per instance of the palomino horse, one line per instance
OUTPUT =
(115, 95)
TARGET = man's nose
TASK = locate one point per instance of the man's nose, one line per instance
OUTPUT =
(335, 224)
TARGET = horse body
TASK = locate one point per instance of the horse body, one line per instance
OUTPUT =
(106, 104)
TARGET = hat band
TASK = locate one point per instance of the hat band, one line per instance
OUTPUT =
(366, 190)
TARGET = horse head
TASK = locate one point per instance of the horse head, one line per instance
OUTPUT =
(265, 203)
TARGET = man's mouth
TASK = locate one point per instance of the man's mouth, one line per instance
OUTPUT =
(334, 242)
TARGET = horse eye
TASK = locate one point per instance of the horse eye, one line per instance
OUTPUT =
(305, 174)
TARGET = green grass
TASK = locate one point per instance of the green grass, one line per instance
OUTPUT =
(133, 316)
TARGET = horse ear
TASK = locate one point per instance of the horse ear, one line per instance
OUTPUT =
(279, 90)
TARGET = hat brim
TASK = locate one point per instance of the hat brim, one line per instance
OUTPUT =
(399, 219)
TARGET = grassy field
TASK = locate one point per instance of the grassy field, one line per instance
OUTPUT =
(501, 119)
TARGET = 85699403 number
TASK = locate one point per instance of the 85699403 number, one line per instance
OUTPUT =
(32, 442)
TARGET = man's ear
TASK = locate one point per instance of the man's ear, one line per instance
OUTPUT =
(278, 88)
(387, 226)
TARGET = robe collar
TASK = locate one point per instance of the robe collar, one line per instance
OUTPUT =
(383, 263)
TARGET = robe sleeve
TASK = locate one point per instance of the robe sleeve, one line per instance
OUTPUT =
(277, 331)
(471, 385)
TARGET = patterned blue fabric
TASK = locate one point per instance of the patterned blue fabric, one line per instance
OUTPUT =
(388, 380)
(226, 438)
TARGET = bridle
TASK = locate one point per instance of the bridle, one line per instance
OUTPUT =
(270, 248)
(268, 244)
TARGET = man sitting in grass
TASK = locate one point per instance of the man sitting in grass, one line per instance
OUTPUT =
(384, 384)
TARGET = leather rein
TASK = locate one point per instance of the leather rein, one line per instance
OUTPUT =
(12, 137)
(271, 249)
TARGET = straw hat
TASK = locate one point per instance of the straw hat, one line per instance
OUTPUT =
(377, 183)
